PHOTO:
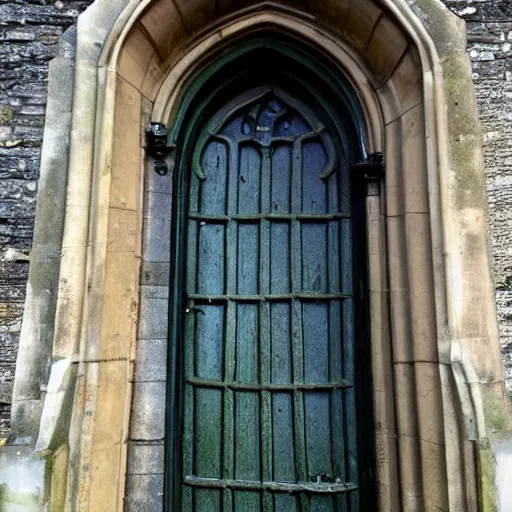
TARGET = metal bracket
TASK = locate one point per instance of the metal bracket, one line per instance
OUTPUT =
(372, 171)
(158, 147)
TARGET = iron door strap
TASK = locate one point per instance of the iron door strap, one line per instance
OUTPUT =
(192, 308)
(271, 486)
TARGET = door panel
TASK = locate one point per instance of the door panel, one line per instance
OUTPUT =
(269, 417)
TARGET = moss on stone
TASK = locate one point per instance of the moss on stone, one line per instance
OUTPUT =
(460, 97)
(465, 134)
(497, 414)
(6, 115)
(446, 30)
(498, 420)
(505, 286)
(26, 501)
(487, 467)
(59, 478)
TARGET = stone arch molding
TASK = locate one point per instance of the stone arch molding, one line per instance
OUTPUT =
(438, 379)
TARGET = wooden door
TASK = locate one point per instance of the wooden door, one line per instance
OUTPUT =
(268, 399)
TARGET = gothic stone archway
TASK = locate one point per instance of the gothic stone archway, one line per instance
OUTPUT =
(434, 340)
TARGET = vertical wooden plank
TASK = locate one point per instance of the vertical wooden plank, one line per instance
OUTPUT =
(296, 259)
(207, 500)
(187, 439)
(298, 399)
(232, 173)
(211, 261)
(333, 192)
(314, 191)
(209, 342)
(314, 257)
(335, 341)
(318, 433)
(247, 501)
(350, 399)
(188, 413)
(187, 494)
(213, 189)
(322, 504)
(265, 356)
(194, 194)
(297, 176)
(337, 412)
(247, 437)
(346, 255)
(265, 225)
(286, 503)
(228, 427)
(297, 339)
(333, 257)
(228, 432)
(315, 320)
(208, 431)
(249, 181)
(283, 438)
(231, 257)
(247, 345)
(248, 260)
(317, 404)
(281, 179)
(343, 173)
(266, 404)
(192, 257)
(281, 360)
(227, 500)
(280, 257)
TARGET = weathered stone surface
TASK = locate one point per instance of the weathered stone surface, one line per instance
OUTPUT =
(151, 363)
(144, 493)
(489, 25)
(30, 31)
(145, 458)
(144, 424)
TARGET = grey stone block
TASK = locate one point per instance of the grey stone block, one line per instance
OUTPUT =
(158, 205)
(156, 183)
(25, 421)
(153, 318)
(144, 493)
(154, 292)
(155, 273)
(145, 459)
(151, 363)
(157, 240)
(148, 411)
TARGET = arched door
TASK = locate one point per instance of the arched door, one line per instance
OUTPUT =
(268, 410)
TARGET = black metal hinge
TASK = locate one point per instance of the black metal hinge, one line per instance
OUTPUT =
(371, 170)
(158, 147)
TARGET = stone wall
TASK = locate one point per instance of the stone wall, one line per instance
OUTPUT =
(490, 49)
(29, 34)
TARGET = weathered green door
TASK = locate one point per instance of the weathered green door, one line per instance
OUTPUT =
(268, 383)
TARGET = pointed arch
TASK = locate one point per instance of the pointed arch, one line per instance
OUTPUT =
(433, 324)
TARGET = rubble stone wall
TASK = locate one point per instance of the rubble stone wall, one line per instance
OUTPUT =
(29, 35)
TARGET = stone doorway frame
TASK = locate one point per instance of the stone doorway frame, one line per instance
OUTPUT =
(437, 367)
